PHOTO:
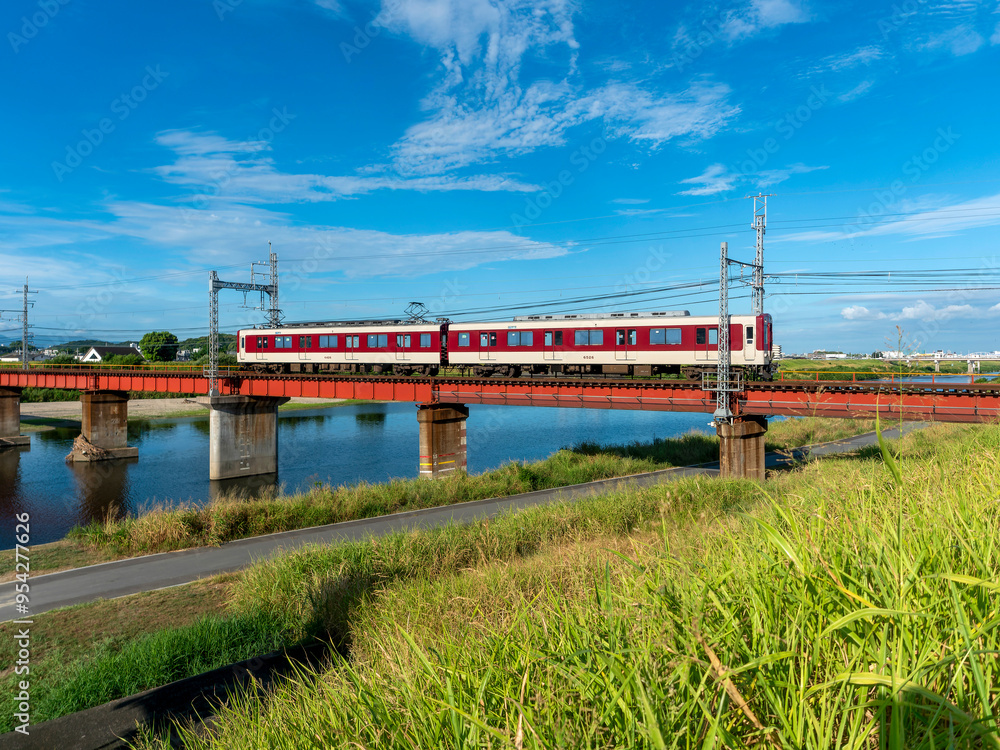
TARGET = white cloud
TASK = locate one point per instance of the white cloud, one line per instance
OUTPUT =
(995, 38)
(859, 312)
(959, 40)
(865, 55)
(715, 179)
(222, 235)
(763, 14)
(631, 201)
(215, 167)
(482, 109)
(718, 178)
(921, 311)
(859, 90)
(942, 221)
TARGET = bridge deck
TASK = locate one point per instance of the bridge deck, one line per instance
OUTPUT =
(965, 402)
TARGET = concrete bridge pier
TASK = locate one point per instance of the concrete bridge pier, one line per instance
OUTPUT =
(243, 435)
(10, 418)
(443, 448)
(937, 365)
(973, 366)
(103, 427)
(741, 447)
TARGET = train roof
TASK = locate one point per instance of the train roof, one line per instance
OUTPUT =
(605, 316)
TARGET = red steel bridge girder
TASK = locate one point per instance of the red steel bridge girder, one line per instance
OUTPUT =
(946, 403)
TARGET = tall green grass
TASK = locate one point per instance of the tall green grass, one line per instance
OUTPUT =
(854, 605)
(155, 659)
(235, 517)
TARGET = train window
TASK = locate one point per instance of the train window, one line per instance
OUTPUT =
(484, 339)
(288, 342)
(406, 341)
(463, 339)
(527, 338)
(493, 339)
(699, 338)
(558, 338)
(713, 336)
(750, 334)
(631, 337)
(548, 338)
(326, 342)
(243, 343)
(520, 338)
(513, 338)
(657, 336)
(259, 345)
(378, 341)
(425, 340)
(588, 337)
(620, 339)
(673, 336)
(401, 340)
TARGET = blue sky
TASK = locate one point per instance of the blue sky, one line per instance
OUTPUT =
(478, 155)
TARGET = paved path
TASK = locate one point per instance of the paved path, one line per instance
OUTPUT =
(123, 577)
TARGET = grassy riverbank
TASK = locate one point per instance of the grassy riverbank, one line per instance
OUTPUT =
(850, 603)
(230, 518)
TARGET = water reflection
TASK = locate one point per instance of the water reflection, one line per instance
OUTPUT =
(342, 445)
(102, 489)
(11, 501)
(243, 487)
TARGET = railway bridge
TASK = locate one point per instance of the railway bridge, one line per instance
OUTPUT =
(243, 416)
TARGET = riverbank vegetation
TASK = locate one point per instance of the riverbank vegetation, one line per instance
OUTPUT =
(849, 603)
(235, 517)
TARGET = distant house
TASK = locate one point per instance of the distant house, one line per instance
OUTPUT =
(100, 353)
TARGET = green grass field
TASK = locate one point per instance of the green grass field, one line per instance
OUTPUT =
(232, 518)
(850, 604)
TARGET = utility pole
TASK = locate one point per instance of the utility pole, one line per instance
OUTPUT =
(723, 412)
(268, 287)
(22, 314)
(760, 226)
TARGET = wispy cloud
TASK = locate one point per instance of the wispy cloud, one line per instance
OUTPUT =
(860, 90)
(719, 179)
(920, 223)
(920, 311)
(484, 107)
(214, 167)
(764, 14)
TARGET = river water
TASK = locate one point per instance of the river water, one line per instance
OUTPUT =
(338, 445)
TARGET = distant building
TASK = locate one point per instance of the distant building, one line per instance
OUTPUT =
(99, 353)
(776, 351)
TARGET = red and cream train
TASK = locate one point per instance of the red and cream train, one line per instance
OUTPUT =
(641, 344)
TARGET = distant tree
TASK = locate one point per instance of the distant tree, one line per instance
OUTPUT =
(122, 359)
(876, 354)
(61, 359)
(159, 346)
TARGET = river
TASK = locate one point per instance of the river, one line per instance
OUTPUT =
(338, 445)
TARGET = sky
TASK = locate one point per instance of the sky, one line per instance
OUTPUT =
(490, 158)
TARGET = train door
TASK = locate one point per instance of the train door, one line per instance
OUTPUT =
(625, 342)
(487, 346)
(706, 337)
(749, 342)
(305, 344)
(352, 343)
(403, 343)
(552, 349)
(261, 343)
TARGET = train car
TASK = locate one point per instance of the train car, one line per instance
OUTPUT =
(641, 344)
(397, 347)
